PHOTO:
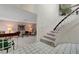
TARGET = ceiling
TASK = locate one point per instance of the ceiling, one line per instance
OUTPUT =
(18, 12)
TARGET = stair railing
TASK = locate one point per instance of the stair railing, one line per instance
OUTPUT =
(65, 18)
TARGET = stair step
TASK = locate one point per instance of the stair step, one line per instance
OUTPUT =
(47, 42)
(54, 31)
(51, 34)
(51, 38)
(48, 39)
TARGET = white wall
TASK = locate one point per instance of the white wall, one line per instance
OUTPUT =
(69, 36)
(69, 32)
(47, 18)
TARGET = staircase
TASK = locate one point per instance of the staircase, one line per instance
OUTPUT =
(50, 38)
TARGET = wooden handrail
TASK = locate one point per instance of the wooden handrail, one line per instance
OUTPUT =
(64, 18)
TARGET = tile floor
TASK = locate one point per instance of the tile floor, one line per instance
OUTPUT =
(41, 48)
(29, 45)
